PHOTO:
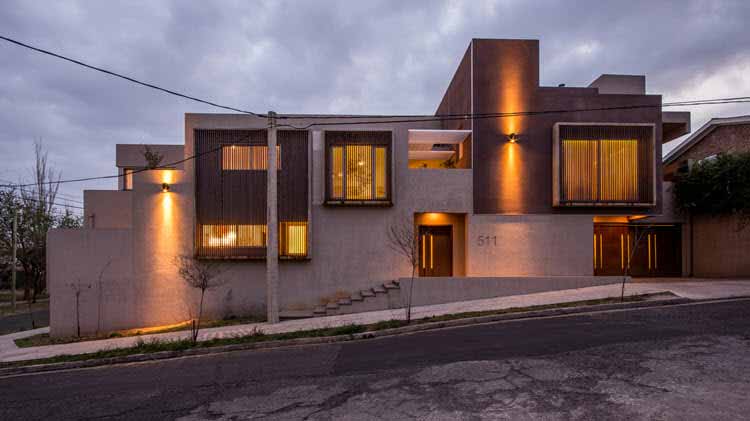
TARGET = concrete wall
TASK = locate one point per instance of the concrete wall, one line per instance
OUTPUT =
(131, 156)
(529, 245)
(719, 248)
(99, 263)
(439, 190)
(620, 84)
(107, 209)
(440, 290)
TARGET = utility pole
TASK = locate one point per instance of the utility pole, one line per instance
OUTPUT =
(13, 263)
(272, 227)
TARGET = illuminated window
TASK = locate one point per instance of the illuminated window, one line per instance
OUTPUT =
(247, 157)
(227, 236)
(359, 172)
(293, 239)
(127, 179)
(604, 170)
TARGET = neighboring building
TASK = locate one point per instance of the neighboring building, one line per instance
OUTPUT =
(501, 206)
(714, 247)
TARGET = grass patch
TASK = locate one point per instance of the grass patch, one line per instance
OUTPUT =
(143, 347)
(44, 338)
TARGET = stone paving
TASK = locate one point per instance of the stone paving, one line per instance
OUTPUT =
(697, 289)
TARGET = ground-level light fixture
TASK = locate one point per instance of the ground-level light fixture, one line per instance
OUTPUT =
(165, 187)
(513, 138)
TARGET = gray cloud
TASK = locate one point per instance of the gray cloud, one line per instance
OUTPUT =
(321, 57)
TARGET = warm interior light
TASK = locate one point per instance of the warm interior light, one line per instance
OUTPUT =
(513, 138)
(165, 187)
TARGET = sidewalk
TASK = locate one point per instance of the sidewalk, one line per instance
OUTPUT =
(693, 290)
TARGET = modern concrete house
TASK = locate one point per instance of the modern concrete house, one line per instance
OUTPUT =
(547, 196)
(712, 245)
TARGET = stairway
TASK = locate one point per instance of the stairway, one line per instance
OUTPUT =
(381, 297)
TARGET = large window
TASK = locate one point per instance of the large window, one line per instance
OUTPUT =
(247, 157)
(600, 165)
(218, 239)
(358, 167)
(600, 170)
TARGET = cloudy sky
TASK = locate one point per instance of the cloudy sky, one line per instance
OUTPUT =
(323, 57)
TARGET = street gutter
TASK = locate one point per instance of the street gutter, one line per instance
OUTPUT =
(161, 355)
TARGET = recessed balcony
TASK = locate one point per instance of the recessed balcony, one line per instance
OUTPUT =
(439, 149)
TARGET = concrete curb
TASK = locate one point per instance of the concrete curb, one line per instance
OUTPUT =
(10, 371)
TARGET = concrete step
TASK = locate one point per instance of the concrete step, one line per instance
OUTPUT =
(356, 297)
(344, 302)
(379, 290)
(319, 311)
(390, 285)
(367, 293)
(295, 314)
(332, 306)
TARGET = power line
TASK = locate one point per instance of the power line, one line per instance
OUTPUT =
(382, 116)
(476, 115)
(22, 198)
(128, 78)
(518, 113)
(425, 119)
(61, 196)
(170, 165)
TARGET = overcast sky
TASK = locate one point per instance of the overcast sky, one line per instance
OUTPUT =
(323, 57)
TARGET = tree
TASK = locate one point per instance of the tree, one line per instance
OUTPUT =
(202, 275)
(152, 157)
(36, 218)
(626, 271)
(719, 186)
(77, 288)
(403, 240)
(36, 212)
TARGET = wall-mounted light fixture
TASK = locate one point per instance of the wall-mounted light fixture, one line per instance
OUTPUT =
(165, 187)
(513, 138)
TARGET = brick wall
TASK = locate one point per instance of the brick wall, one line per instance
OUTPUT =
(726, 139)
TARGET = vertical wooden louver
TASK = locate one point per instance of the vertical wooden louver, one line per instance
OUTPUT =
(230, 190)
(358, 167)
(605, 165)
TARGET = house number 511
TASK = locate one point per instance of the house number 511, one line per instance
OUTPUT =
(486, 240)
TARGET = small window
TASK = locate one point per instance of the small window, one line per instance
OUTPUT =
(127, 179)
(293, 239)
(247, 157)
(359, 172)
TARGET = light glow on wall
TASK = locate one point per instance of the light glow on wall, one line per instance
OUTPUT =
(167, 176)
(514, 97)
(511, 183)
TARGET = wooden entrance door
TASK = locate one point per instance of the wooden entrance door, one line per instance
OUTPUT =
(611, 249)
(435, 251)
(658, 251)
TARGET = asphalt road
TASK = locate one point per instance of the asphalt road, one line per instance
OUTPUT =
(681, 362)
(22, 320)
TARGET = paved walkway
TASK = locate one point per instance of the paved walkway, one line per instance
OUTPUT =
(693, 290)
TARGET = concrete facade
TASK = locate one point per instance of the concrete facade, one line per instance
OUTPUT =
(506, 235)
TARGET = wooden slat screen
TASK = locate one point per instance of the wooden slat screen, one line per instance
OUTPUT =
(231, 190)
(606, 164)
(358, 166)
